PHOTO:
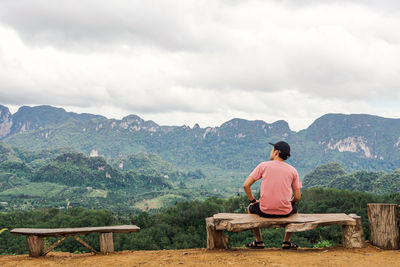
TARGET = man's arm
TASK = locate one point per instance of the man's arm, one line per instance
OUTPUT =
(247, 188)
(296, 195)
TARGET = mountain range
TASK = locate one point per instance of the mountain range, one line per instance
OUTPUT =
(356, 141)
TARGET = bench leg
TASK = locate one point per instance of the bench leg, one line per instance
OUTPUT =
(106, 242)
(36, 245)
(215, 238)
(84, 244)
(353, 236)
(54, 245)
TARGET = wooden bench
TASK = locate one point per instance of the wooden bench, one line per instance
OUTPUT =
(36, 243)
(353, 235)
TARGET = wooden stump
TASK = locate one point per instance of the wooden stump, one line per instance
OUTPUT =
(106, 242)
(383, 225)
(215, 238)
(353, 236)
(36, 245)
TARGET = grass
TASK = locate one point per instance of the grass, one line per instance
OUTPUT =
(35, 190)
(97, 193)
(323, 244)
(159, 202)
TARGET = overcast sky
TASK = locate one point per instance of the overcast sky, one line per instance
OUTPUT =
(182, 62)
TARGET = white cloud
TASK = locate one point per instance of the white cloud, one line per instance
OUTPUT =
(181, 62)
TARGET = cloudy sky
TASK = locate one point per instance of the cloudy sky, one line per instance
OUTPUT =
(206, 61)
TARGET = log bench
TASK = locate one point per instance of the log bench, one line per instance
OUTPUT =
(353, 235)
(35, 237)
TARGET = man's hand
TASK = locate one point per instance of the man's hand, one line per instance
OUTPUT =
(254, 202)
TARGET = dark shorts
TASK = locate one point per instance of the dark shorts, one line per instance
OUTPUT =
(255, 209)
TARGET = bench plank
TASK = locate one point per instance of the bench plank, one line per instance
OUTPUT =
(222, 219)
(242, 222)
(234, 222)
(75, 231)
(323, 220)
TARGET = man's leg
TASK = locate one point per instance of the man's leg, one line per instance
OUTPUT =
(256, 231)
(288, 235)
(286, 241)
(257, 234)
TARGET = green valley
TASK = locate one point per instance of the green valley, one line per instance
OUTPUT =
(57, 159)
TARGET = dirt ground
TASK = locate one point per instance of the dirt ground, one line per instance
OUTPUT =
(370, 256)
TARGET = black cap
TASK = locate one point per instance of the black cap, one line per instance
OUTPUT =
(283, 148)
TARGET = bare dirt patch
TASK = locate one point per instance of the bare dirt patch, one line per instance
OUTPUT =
(370, 256)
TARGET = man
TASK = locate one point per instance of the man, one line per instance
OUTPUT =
(279, 194)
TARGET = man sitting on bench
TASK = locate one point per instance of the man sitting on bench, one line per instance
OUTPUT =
(279, 193)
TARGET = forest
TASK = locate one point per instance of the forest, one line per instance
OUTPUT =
(183, 225)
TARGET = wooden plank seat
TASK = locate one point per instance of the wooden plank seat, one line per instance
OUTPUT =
(36, 242)
(353, 235)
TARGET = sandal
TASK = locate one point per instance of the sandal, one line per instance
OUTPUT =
(290, 245)
(255, 244)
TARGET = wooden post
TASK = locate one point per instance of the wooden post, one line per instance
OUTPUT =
(106, 242)
(36, 245)
(383, 225)
(215, 238)
(353, 235)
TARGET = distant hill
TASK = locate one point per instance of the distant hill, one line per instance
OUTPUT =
(63, 179)
(357, 142)
(332, 175)
(143, 162)
(34, 118)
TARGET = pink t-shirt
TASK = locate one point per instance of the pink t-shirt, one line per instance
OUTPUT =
(279, 181)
